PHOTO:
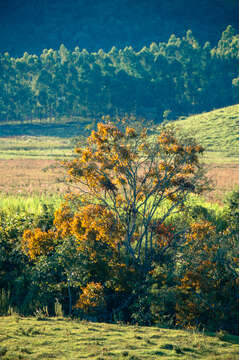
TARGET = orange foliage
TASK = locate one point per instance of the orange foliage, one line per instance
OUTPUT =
(62, 220)
(98, 222)
(208, 279)
(92, 297)
(38, 242)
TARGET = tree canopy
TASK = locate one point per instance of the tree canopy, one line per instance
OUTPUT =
(163, 80)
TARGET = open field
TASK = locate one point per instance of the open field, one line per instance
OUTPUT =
(28, 338)
(34, 147)
(43, 177)
(64, 128)
(225, 177)
(39, 140)
(217, 131)
(30, 177)
(29, 152)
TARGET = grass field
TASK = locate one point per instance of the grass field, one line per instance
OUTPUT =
(30, 177)
(64, 128)
(39, 140)
(28, 160)
(36, 147)
(28, 338)
(217, 131)
(45, 177)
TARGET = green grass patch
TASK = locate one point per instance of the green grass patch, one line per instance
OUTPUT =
(29, 338)
(43, 147)
(54, 139)
(217, 131)
(30, 205)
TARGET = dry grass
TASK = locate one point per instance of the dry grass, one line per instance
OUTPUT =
(225, 178)
(31, 177)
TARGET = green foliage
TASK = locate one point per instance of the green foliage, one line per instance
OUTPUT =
(16, 272)
(172, 78)
(232, 202)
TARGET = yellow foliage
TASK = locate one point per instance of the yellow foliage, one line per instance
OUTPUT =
(38, 242)
(62, 221)
(92, 297)
(96, 221)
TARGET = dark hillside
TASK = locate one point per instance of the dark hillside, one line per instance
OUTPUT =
(33, 25)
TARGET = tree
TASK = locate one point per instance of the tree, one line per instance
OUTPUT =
(207, 290)
(130, 184)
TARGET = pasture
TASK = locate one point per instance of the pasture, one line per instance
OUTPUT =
(58, 338)
(31, 174)
(217, 131)
(45, 177)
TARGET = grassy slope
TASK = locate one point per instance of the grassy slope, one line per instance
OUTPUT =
(217, 130)
(27, 338)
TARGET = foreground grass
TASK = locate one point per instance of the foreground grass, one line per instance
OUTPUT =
(28, 338)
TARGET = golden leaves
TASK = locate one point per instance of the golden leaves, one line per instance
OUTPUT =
(96, 221)
(130, 132)
(92, 297)
(37, 242)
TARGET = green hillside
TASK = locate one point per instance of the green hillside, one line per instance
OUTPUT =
(217, 131)
(27, 338)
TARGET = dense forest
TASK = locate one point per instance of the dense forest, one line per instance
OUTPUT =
(164, 80)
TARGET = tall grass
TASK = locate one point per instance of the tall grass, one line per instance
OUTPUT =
(31, 205)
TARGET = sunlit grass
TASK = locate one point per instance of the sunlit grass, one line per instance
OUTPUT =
(217, 131)
(28, 338)
(33, 204)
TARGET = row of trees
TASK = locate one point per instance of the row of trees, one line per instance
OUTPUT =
(126, 245)
(166, 79)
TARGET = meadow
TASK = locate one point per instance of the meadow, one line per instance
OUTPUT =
(217, 131)
(30, 153)
(57, 338)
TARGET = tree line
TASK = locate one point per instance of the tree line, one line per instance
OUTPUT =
(164, 80)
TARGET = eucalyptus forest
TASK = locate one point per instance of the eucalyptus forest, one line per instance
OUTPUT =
(165, 79)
